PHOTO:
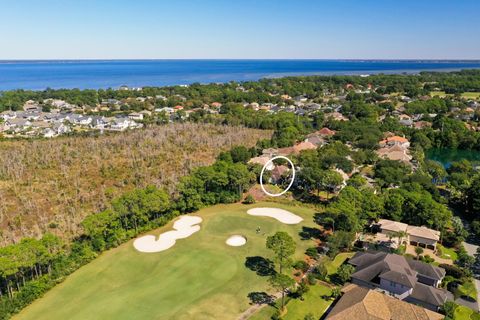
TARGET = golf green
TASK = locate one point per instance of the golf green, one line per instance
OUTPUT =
(199, 278)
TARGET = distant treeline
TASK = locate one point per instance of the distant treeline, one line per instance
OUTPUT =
(258, 91)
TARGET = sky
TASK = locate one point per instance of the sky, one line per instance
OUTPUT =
(240, 29)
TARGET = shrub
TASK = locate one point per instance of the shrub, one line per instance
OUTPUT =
(312, 252)
(453, 271)
(249, 199)
(301, 265)
(345, 272)
(321, 272)
(311, 279)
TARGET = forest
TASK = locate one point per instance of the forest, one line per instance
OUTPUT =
(51, 185)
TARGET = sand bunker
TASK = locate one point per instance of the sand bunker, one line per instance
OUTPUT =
(184, 228)
(236, 241)
(281, 215)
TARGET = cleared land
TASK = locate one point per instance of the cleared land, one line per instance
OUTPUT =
(200, 278)
(466, 95)
(51, 185)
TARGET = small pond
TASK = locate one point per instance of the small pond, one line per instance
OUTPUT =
(447, 156)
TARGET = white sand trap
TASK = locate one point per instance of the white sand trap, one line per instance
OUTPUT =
(184, 228)
(236, 241)
(281, 215)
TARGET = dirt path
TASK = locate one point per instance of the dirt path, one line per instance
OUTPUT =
(256, 307)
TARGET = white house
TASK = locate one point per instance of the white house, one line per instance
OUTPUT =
(135, 116)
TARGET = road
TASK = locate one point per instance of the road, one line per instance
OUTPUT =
(470, 248)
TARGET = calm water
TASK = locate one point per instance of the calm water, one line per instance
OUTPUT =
(447, 156)
(38, 75)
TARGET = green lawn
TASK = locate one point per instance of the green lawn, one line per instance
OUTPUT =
(332, 266)
(466, 95)
(471, 95)
(297, 309)
(447, 253)
(468, 289)
(440, 94)
(199, 278)
(464, 313)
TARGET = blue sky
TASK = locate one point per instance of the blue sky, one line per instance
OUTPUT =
(293, 29)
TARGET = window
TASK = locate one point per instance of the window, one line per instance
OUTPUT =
(393, 284)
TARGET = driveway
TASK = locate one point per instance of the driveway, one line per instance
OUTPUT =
(470, 248)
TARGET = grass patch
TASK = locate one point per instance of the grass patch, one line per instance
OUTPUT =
(464, 313)
(471, 95)
(440, 94)
(199, 278)
(447, 253)
(466, 95)
(333, 265)
(468, 290)
(298, 309)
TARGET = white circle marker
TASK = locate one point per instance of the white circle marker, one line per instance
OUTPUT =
(291, 182)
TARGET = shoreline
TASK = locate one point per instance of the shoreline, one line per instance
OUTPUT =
(38, 75)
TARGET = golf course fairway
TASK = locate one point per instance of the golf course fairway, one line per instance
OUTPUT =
(201, 277)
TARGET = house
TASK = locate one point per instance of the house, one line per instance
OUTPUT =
(79, 119)
(135, 116)
(17, 124)
(423, 237)
(336, 116)
(177, 108)
(422, 124)
(120, 124)
(270, 152)
(391, 227)
(361, 303)
(98, 122)
(113, 102)
(216, 105)
(61, 128)
(406, 279)
(7, 115)
(49, 133)
(301, 98)
(396, 153)
(278, 172)
(326, 132)
(31, 105)
(395, 141)
(305, 145)
(315, 139)
(263, 160)
(415, 236)
(406, 122)
(167, 110)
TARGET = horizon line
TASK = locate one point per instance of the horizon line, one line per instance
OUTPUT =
(242, 59)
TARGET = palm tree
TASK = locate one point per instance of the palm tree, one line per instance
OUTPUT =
(418, 251)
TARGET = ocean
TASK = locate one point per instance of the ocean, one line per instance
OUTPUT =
(96, 74)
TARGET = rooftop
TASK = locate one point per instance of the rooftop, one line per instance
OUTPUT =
(363, 304)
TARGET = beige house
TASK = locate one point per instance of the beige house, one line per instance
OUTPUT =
(423, 237)
(415, 236)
